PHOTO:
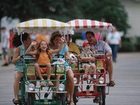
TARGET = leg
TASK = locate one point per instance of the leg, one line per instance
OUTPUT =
(70, 85)
(86, 67)
(57, 81)
(49, 74)
(10, 55)
(37, 68)
(110, 71)
(17, 79)
(113, 52)
(5, 57)
(93, 69)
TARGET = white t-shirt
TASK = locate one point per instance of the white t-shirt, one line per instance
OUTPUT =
(102, 46)
(5, 39)
(114, 38)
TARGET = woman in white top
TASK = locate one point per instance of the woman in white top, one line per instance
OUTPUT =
(114, 40)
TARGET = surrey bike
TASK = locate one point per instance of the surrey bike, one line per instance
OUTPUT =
(95, 85)
(32, 92)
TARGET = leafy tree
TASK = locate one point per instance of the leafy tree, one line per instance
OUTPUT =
(65, 10)
(107, 10)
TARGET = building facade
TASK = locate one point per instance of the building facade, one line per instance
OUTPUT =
(133, 9)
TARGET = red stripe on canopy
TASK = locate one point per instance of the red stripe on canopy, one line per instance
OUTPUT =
(92, 24)
(85, 24)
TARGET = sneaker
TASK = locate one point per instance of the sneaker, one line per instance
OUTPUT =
(5, 64)
(15, 101)
(70, 103)
(111, 84)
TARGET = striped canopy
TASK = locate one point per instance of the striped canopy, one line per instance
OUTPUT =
(42, 26)
(86, 24)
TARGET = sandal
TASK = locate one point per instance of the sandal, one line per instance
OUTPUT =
(15, 101)
(111, 84)
(71, 103)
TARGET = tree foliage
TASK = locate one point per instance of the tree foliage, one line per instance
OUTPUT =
(64, 10)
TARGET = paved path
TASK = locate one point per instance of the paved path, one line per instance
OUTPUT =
(126, 74)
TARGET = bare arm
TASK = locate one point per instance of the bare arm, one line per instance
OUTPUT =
(16, 56)
(87, 59)
(108, 54)
(30, 49)
(67, 55)
(31, 52)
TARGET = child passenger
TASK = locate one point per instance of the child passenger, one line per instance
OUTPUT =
(89, 66)
(43, 57)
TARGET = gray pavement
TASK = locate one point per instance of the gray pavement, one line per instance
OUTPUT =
(126, 75)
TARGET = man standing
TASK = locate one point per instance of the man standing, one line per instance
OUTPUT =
(5, 44)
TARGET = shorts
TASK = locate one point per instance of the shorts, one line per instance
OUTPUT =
(11, 52)
(4, 51)
(43, 70)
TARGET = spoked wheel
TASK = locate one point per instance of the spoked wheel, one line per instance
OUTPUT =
(75, 98)
(102, 96)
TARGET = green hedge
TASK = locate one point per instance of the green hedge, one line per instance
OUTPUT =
(137, 44)
(128, 45)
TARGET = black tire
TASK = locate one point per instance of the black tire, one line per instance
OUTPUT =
(75, 98)
(63, 99)
(102, 96)
(30, 98)
(21, 94)
(22, 102)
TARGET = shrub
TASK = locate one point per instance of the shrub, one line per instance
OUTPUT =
(127, 45)
(137, 44)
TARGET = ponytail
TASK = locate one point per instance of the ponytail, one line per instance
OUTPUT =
(19, 39)
(16, 40)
